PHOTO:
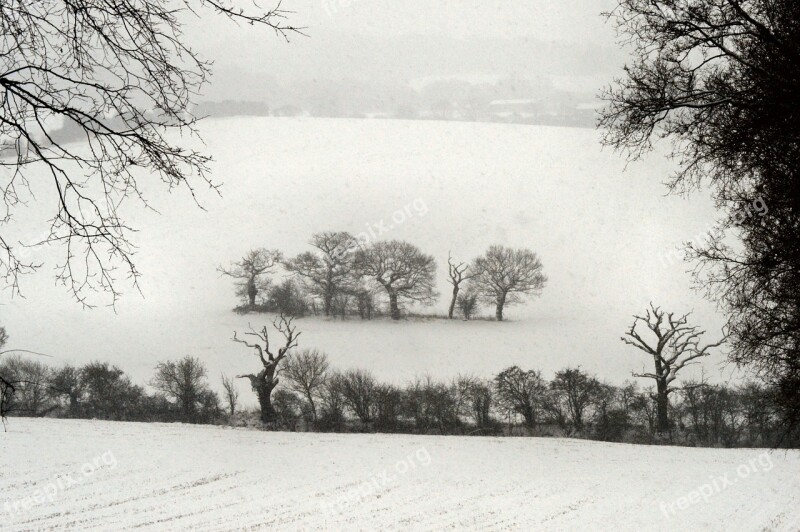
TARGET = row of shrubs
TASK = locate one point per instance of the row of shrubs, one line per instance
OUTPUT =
(312, 397)
(99, 390)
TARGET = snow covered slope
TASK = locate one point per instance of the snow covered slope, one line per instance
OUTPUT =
(98, 475)
(604, 235)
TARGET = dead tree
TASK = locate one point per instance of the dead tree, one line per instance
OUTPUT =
(457, 274)
(265, 381)
(249, 272)
(675, 346)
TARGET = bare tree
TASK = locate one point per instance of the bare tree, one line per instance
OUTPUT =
(578, 390)
(265, 381)
(675, 344)
(250, 272)
(121, 74)
(23, 382)
(365, 301)
(29, 393)
(306, 373)
(66, 382)
(358, 390)
(401, 269)
(231, 394)
(332, 410)
(288, 298)
(388, 407)
(468, 303)
(480, 401)
(504, 274)
(328, 272)
(520, 392)
(7, 388)
(457, 274)
(184, 381)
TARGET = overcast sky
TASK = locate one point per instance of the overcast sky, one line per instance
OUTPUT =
(567, 41)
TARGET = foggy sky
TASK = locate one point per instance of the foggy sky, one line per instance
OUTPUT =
(567, 42)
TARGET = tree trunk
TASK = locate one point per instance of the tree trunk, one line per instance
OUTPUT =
(313, 406)
(501, 301)
(264, 391)
(662, 407)
(529, 416)
(453, 302)
(252, 292)
(394, 310)
(328, 303)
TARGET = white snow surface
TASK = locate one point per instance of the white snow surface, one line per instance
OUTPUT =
(99, 475)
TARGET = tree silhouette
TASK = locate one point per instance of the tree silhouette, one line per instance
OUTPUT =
(121, 75)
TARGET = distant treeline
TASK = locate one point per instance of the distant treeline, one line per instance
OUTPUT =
(313, 397)
(513, 100)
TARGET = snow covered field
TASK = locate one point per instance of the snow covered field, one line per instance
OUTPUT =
(104, 475)
(602, 233)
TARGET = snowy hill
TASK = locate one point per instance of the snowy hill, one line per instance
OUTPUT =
(98, 475)
(604, 236)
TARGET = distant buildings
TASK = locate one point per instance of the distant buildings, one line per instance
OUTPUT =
(518, 110)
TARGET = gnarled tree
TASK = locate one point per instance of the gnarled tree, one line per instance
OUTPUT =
(401, 269)
(673, 345)
(265, 381)
(505, 274)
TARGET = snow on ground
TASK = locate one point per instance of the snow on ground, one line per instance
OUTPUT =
(97, 475)
(603, 233)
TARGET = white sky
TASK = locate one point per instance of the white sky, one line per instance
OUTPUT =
(383, 39)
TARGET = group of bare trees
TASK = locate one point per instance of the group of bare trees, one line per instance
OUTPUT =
(299, 389)
(346, 276)
(313, 396)
(574, 402)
